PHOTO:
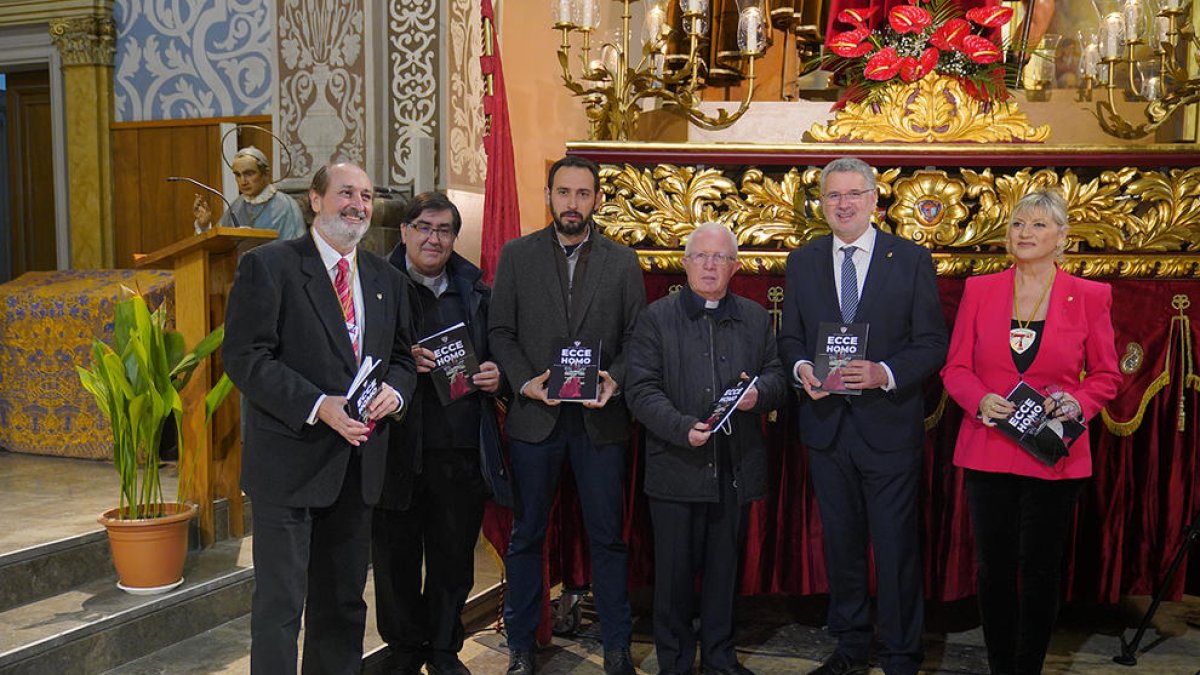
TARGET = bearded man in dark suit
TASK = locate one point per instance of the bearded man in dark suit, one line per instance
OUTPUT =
(566, 281)
(302, 315)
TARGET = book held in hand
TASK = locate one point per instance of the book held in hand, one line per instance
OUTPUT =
(722, 409)
(456, 362)
(576, 374)
(363, 389)
(837, 345)
(1047, 439)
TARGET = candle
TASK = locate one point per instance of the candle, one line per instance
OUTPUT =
(1112, 31)
(1172, 5)
(655, 18)
(695, 6)
(1152, 88)
(748, 26)
(1134, 20)
(587, 14)
(564, 11)
(1163, 23)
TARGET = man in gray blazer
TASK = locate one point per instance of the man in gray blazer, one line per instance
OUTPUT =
(566, 281)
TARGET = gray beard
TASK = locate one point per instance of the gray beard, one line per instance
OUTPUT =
(340, 233)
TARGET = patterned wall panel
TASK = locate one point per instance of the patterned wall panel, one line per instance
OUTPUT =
(465, 158)
(413, 84)
(322, 75)
(184, 60)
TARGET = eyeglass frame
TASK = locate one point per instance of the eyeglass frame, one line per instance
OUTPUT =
(443, 233)
(852, 195)
(718, 259)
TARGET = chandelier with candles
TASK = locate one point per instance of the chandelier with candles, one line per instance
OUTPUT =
(613, 77)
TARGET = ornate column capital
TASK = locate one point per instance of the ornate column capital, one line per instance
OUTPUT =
(85, 40)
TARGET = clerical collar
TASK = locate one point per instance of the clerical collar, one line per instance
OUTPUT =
(262, 197)
(437, 284)
(694, 305)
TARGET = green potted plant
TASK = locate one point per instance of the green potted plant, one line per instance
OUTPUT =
(136, 382)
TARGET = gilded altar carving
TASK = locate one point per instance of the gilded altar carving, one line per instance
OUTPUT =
(1117, 215)
(933, 109)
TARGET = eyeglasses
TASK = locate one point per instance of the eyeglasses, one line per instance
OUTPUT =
(717, 259)
(852, 195)
(443, 233)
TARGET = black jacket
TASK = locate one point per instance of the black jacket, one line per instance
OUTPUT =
(680, 358)
(286, 345)
(406, 451)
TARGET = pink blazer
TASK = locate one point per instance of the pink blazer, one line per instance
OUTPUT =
(1078, 338)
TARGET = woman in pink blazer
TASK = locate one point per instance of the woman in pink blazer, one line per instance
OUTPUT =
(1037, 324)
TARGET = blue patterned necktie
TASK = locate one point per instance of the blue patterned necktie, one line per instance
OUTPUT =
(849, 285)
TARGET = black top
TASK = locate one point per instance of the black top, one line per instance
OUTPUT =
(455, 425)
(1022, 360)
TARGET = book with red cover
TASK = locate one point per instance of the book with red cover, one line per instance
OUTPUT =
(576, 374)
(722, 409)
(837, 345)
(456, 362)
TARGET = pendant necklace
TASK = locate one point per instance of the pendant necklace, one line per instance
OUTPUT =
(1021, 338)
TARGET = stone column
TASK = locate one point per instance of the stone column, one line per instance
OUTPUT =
(87, 45)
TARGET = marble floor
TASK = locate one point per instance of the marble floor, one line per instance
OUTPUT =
(44, 499)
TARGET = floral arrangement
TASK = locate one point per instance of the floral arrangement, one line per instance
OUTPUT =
(917, 40)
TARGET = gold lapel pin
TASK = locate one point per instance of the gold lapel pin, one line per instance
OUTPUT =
(889, 254)
(379, 296)
(1070, 298)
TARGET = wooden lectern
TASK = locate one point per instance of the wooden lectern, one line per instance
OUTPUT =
(204, 268)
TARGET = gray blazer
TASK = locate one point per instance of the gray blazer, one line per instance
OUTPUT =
(528, 315)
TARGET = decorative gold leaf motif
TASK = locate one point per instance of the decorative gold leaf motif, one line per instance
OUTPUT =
(1116, 216)
(934, 109)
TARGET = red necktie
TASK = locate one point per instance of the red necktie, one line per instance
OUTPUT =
(341, 283)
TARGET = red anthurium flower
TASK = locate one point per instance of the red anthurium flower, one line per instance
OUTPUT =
(909, 19)
(948, 36)
(980, 49)
(991, 17)
(883, 65)
(850, 44)
(858, 16)
(915, 68)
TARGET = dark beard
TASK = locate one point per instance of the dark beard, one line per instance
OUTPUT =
(570, 230)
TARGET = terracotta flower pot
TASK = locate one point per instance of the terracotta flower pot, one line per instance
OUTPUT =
(149, 552)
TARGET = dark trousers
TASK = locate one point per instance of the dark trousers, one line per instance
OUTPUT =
(320, 553)
(1021, 526)
(600, 475)
(692, 538)
(866, 495)
(439, 531)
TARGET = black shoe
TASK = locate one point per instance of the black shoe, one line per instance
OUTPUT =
(735, 669)
(618, 662)
(446, 664)
(840, 664)
(520, 663)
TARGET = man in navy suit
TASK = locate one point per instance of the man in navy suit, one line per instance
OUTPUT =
(865, 450)
(302, 314)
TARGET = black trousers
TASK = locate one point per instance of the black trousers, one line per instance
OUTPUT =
(438, 530)
(1021, 526)
(689, 539)
(316, 553)
(870, 496)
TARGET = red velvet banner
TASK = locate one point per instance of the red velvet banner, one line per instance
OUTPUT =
(1130, 521)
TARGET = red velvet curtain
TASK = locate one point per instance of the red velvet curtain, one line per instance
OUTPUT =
(1130, 521)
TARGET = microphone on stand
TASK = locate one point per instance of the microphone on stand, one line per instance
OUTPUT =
(202, 186)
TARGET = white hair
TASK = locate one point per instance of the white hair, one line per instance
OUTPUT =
(711, 226)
